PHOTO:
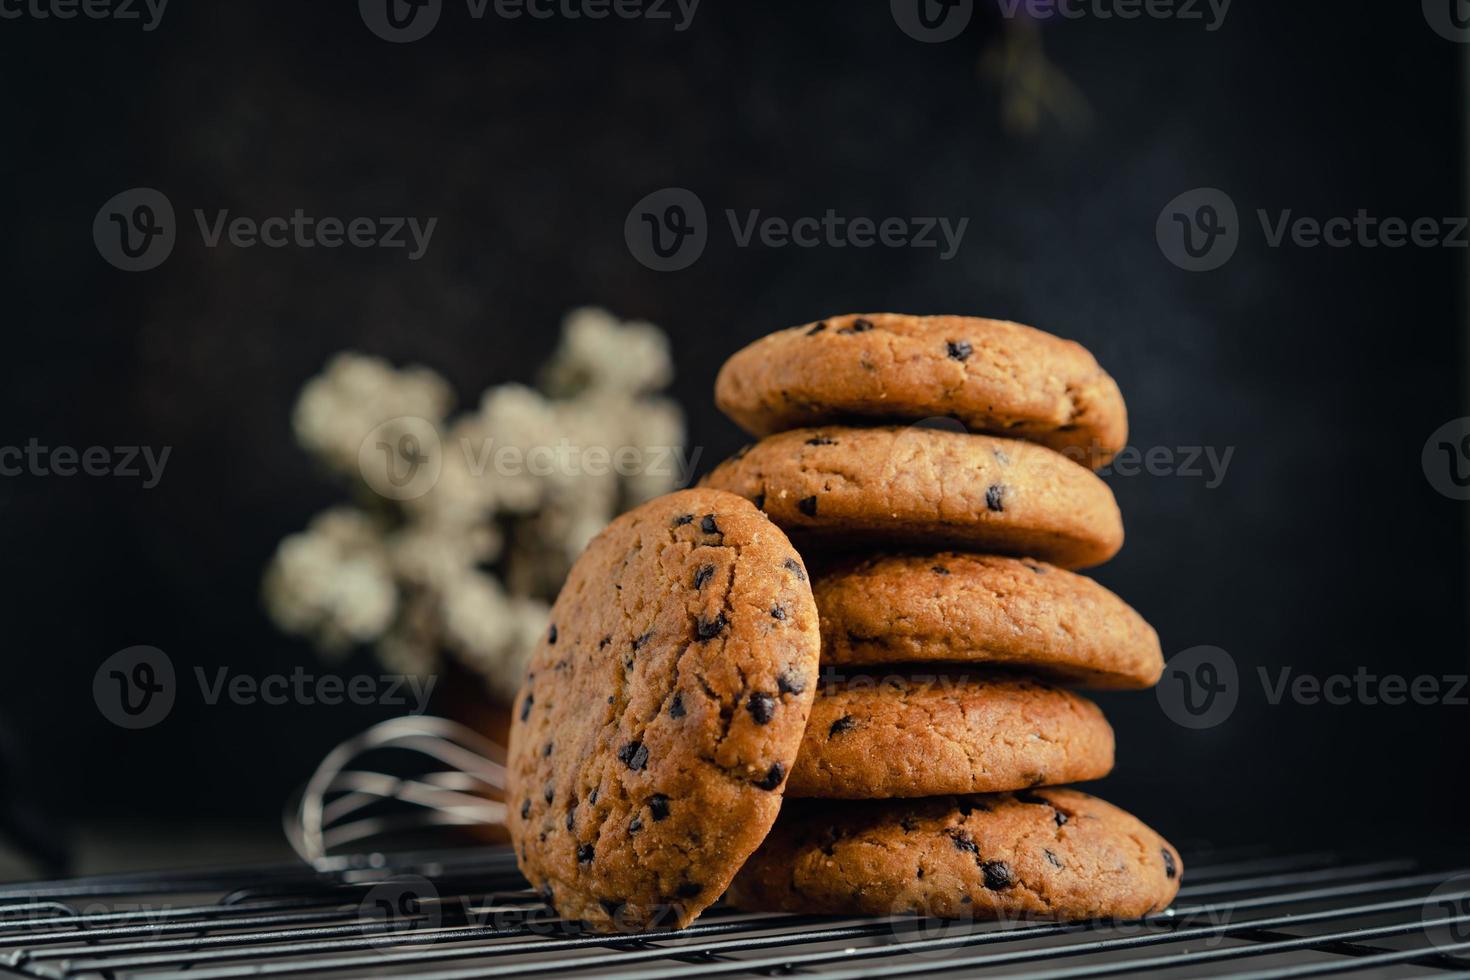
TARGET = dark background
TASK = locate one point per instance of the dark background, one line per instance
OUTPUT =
(1325, 548)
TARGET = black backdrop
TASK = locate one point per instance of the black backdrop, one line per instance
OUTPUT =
(1325, 547)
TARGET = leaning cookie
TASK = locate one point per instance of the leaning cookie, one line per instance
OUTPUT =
(958, 607)
(927, 488)
(991, 375)
(1053, 853)
(947, 733)
(662, 712)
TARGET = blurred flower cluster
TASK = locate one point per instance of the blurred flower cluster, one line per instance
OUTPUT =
(463, 529)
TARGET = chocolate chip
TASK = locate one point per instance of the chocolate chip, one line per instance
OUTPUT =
(808, 506)
(772, 778)
(860, 325)
(998, 875)
(708, 629)
(1171, 869)
(966, 808)
(920, 873)
(1052, 859)
(960, 349)
(549, 792)
(635, 825)
(790, 682)
(602, 643)
(759, 500)
(705, 573)
(592, 796)
(762, 707)
(844, 724)
(676, 705)
(571, 816)
(963, 842)
(689, 889)
(525, 808)
(658, 806)
(683, 519)
(794, 566)
(546, 749)
(634, 755)
(708, 525)
(1062, 819)
(939, 570)
(995, 497)
(526, 706)
(777, 612)
(551, 635)
(821, 441)
(1039, 570)
(1034, 799)
(817, 328)
(638, 643)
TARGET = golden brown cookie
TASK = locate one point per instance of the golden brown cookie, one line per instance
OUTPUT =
(846, 487)
(1051, 853)
(662, 712)
(958, 607)
(991, 375)
(931, 734)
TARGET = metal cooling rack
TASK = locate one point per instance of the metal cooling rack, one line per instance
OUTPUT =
(469, 914)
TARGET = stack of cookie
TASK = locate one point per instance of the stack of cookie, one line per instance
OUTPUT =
(936, 473)
(675, 697)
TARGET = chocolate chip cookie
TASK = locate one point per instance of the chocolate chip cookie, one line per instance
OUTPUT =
(1052, 853)
(991, 375)
(931, 734)
(662, 712)
(959, 607)
(845, 487)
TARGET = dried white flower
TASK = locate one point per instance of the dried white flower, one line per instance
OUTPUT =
(522, 483)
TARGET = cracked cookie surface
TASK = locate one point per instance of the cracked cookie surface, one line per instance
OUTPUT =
(992, 376)
(1050, 853)
(661, 712)
(932, 734)
(956, 607)
(845, 487)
